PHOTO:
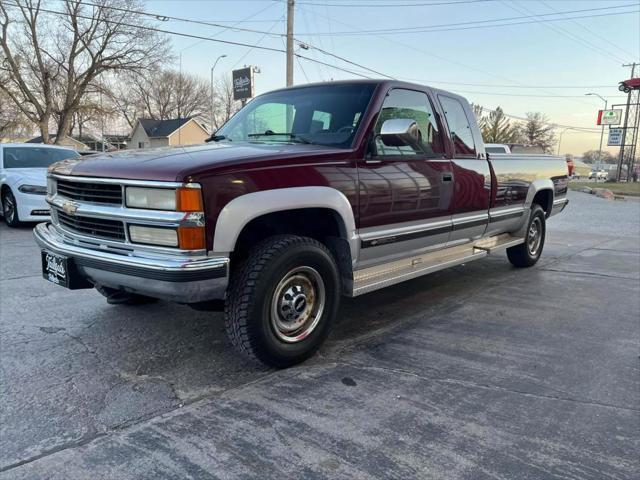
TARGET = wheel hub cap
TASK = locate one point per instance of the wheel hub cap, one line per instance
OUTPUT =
(297, 304)
(534, 236)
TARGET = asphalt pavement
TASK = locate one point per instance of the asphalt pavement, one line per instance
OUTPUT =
(480, 371)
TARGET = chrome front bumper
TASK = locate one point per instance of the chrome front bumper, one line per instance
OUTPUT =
(169, 277)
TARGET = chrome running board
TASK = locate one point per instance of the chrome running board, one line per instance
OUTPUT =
(380, 276)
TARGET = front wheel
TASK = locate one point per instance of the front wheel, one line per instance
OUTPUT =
(282, 300)
(527, 254)
(10, 209)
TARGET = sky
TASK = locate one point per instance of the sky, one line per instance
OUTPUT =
(538, 66)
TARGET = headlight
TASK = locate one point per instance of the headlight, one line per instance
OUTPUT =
(185, 199)
(166, 237)
(51, 186)
(33, 189)
(151, 198)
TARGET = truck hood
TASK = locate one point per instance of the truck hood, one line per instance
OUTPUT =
(179, 163)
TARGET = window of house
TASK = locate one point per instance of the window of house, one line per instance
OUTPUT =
(411, 105)
(459, 127)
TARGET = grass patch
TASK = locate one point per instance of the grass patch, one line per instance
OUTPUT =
(631, 188)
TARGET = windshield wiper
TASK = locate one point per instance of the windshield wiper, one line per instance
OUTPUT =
(217, 138)
(270, 133)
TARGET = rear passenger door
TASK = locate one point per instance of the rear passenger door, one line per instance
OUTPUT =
(404, 191)
(471, 173)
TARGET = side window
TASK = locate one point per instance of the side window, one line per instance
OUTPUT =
(459, 127)
(414, 106)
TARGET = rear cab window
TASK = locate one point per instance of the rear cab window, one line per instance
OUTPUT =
(459, 127)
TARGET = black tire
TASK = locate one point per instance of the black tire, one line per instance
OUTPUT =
(10, 209)
(267, 293)
(120, 297)
(527, 254)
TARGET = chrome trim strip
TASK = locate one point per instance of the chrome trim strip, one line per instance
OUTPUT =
(49, 238)
(125, 182)
(560, 201)
(131, 215)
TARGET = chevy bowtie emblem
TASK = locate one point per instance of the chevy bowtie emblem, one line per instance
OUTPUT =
(70, 207)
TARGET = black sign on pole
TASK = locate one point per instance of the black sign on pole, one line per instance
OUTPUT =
(242, 83)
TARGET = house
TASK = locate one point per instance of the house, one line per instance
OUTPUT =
(161, 133)
(67, 141)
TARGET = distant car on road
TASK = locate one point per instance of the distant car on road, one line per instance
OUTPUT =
(23, 180)
(598, 175)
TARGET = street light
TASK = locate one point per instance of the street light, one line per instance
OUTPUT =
(212, 95)
(602, 131)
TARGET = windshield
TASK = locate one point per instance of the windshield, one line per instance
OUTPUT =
(34, 157)
(323, 115)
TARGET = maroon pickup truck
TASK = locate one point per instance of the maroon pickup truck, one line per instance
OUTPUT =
(307, 194)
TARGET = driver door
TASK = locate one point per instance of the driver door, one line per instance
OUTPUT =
(405, 192)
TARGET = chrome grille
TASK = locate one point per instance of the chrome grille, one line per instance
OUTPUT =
(90, 192)
(94, 227)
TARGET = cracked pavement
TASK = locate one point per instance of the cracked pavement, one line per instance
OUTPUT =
(480, 371)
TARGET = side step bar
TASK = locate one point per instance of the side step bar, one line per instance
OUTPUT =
(373, 278)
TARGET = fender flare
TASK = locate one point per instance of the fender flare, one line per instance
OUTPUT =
(536, 186)
(241, 210)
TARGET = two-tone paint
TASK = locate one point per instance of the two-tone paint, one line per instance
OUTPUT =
(389, 209)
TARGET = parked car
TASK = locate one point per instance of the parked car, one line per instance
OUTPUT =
(598, 175)
(307, 194)
(492, 148)
(23, 180)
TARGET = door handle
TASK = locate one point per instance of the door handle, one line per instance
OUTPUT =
(447, 176)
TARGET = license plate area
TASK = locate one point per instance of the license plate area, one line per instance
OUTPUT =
(60, 270)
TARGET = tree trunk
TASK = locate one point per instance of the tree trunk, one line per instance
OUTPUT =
(44, 129)
(64, 127)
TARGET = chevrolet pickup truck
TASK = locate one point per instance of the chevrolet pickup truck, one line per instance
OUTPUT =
(307, 194)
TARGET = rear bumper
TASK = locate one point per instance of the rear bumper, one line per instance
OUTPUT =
(169, 277)
(559, 205)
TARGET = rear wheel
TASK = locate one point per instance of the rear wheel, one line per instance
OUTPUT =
(282, 300)
(527, 254)
(10, 209)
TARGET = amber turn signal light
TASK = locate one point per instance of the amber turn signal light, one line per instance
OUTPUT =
(189, 200)
(191, 238)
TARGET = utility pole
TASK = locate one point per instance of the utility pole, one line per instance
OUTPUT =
(290, 12)
(625, 126)
(602, 129)
(213, 115)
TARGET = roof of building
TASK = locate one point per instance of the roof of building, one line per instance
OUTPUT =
(162, 128)
(52, 136)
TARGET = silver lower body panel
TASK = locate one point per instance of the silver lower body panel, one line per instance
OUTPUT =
(169, 277)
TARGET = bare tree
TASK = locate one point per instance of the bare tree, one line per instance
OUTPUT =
(49, 58)
(12, 121)
(160, 95)
(224, 105)
(538, 131)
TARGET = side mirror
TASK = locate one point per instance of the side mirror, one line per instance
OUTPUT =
(397, 132)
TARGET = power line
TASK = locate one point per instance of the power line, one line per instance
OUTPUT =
(449, 60)
(396, 5)
(475, 24)
(585, 43)
(199, 37)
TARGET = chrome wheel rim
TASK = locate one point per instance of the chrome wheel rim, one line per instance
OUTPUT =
(9, 208)
(297, 304)
(534, 236)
